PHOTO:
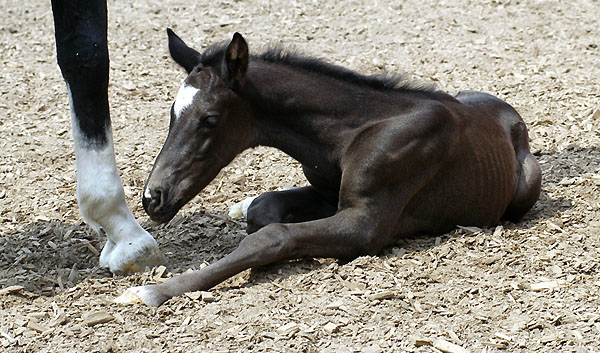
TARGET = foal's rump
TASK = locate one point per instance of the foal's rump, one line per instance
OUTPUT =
(527, 171)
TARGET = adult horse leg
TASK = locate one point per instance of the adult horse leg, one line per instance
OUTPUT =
(82, 52)
(288, 206)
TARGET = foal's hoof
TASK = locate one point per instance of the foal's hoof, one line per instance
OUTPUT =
(148, 295)
(130, 257)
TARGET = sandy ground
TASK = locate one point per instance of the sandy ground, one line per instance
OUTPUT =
(525, 287)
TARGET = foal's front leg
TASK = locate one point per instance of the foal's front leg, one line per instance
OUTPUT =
(345, 235)
(293, 205)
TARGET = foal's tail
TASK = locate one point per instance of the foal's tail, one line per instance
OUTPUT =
(529, 174)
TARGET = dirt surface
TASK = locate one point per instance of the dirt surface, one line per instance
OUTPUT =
(525, 287)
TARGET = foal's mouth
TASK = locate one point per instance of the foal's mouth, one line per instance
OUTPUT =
(162, 217)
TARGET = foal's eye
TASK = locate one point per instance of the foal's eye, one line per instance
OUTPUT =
(211, 121)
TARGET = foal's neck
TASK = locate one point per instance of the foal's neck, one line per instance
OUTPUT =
(309, 116)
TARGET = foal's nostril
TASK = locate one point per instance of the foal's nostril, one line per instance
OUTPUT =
(153, 200)
(157, 198)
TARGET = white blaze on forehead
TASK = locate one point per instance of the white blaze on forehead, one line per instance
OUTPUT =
(184, 98)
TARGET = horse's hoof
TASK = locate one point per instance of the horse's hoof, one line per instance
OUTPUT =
(105, 254)
(142, 295)
(130, 257)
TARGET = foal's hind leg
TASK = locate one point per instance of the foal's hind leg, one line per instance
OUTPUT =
(288, 206)
(529, 176)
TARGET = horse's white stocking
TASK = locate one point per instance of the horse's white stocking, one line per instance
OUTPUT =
(129, 248)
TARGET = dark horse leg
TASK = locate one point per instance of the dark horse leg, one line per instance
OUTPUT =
(288, 206)
(82, 52)
(529, 182)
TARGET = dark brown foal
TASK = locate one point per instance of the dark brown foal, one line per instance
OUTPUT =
(384, 161)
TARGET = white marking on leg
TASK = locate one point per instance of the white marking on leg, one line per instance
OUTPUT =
(102, 205)
(185, 97)
(240, 209)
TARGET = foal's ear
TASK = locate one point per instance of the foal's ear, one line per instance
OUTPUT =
(236, 59)
(181, 53)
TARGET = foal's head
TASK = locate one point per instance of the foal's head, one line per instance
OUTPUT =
(209, 125)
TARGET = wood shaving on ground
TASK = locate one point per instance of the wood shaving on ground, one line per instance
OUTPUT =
(530, 286)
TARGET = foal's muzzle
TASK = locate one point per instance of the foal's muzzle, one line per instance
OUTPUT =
(153, 201)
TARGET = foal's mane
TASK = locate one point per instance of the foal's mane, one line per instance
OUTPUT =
(382, 82)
